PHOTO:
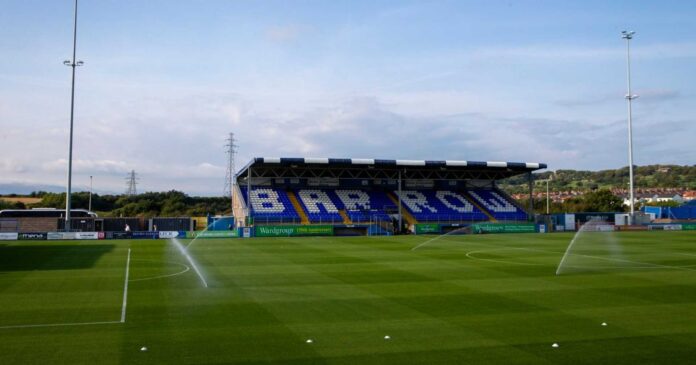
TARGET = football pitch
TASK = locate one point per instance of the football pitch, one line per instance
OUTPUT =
(626, 298)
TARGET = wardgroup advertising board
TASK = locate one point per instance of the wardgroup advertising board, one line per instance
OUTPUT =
(688, 226)
(504, 228)
(425, 228)
(212, 234)
(284, 231)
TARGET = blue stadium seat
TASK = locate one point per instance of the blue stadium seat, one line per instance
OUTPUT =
(318, 205)
(495, 203)
(270, 205)
(440, 206)
(273, 205)
(323, 205)
(364, 205)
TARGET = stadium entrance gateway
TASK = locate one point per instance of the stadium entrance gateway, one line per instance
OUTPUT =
(306, 196)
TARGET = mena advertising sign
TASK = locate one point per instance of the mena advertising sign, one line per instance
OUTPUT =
(39, 236)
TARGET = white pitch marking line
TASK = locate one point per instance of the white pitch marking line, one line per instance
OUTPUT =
(125, 289)
(123, 310)
(470, 255)
(590, 256)
(636, 262)
(186, 269)
(58, 324)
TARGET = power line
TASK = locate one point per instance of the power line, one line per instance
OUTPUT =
(231, 151)
(131, 183)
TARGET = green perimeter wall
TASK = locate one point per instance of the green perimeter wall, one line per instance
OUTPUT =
(284, 231)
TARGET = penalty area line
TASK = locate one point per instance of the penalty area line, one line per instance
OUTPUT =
(125, 289)
(123, 310)
(58, 324)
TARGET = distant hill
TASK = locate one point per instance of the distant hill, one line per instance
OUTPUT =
(26, 189)
(21, 199)
(651, 176)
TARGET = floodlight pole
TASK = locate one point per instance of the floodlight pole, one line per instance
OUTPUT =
(548, 202)
(73, 64)
(547, 197)
(628, 35)
(90, 193)
(530, 183)
(400, 212)
(248, 197)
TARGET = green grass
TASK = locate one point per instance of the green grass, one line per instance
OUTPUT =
(457, 299)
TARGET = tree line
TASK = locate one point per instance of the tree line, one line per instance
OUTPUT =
(152, 204)
(602, 200)
(596, 184)
(177, 204)
(651, 176)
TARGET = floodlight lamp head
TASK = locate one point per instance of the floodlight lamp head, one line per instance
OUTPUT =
(80, 63)
(627, 34)
(67, 62)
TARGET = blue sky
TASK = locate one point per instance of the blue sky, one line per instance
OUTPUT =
(165, 81)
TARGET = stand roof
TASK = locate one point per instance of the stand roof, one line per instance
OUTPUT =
(356, 168)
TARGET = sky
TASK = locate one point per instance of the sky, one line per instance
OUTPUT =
(165, 82)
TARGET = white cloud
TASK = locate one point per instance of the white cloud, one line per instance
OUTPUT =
(172, 132)
(646, 96)
(177, 141)
(9, 165)
(285, 33)
(579, 53)
(87, 166)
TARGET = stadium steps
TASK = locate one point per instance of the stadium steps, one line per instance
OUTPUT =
(410, 219)
(298, 207)
(477, 205)
(344, 215)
